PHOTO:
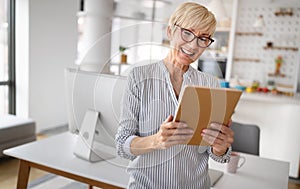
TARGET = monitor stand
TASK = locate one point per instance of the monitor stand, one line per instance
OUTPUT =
(86, 147)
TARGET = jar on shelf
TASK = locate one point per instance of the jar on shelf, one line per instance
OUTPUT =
(123, 59)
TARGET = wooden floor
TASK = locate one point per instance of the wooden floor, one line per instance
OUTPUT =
(9, 171)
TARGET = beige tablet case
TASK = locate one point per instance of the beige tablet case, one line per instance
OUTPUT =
(200, 106)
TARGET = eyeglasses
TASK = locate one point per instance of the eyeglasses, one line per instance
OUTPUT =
(189, 36)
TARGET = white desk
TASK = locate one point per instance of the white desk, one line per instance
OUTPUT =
(256, 173)
(55, 155)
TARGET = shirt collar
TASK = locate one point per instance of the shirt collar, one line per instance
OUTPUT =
(165, 69)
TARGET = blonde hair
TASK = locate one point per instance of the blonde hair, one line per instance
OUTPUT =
(193, 15)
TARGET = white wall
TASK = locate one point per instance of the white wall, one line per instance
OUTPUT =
(51, 47)
(298, 83)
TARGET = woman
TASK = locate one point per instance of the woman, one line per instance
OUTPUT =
(147, 135)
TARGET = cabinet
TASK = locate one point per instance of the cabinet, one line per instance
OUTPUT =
(214, 59)
(221, 37)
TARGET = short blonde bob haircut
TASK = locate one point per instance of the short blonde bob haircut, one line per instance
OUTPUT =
(193, 15)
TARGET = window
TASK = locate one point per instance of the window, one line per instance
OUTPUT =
(7, 57)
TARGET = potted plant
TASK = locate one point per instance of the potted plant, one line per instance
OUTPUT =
(123, 55)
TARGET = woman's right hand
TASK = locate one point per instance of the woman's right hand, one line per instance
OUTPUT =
(172, 133)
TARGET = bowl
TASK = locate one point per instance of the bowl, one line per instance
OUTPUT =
(240, 87)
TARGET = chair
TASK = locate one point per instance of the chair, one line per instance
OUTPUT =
(246, 138)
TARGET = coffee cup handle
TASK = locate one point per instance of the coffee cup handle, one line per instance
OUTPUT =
(243, 162)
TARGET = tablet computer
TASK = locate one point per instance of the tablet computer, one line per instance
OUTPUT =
(199, 106)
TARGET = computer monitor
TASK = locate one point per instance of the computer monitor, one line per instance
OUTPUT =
(213, 66)
(101, 95)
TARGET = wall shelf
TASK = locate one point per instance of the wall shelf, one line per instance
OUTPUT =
(276, 75)
(249, 33)
(283, 13)
(246, 60)
(284, 86)
(281, 48)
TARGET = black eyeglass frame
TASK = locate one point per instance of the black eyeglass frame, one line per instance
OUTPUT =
(198, 37)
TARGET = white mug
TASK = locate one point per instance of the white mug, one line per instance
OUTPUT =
(235, 163)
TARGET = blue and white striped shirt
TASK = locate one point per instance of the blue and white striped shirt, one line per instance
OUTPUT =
(148, 100)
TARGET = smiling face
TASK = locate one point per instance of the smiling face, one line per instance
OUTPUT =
(184, 52)
(198, 22)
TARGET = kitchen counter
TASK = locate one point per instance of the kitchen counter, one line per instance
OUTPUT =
(271, 98)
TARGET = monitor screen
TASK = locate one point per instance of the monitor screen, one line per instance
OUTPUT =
(213, 66)
(100, 92)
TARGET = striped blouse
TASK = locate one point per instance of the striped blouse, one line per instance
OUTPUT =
(148, 100)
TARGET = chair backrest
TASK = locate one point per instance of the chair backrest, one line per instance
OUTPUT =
(246, 138)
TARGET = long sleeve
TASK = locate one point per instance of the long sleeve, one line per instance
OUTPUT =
(128, 123)
(221, 159)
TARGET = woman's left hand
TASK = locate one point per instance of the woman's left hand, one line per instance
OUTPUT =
(219, 136)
